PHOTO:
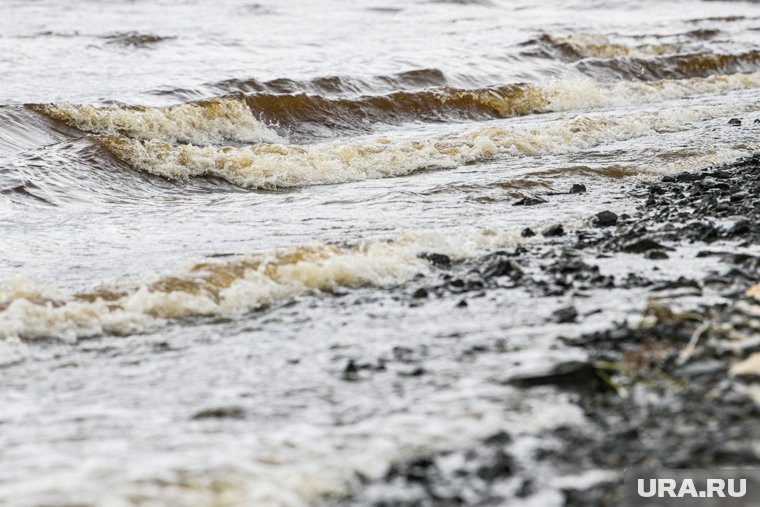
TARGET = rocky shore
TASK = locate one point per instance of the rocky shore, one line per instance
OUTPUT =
(676, 386)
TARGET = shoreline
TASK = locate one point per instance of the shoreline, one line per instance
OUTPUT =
(674, 388)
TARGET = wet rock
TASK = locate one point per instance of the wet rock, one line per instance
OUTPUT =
(420, 293)
(570, 374)
(414, 372)
(578, 188)
(414, 471)
(656, 255)
(747, 369)
(529, 201)
(554, 231)
(501, 467)
(643, 245)
(462, 304)
(351, 371)
(503, 267)
(741, 227)
(220, 413)
(605, 219)
(701, 368)
(437, 259)
(734, 122)
(565, 315)
(684, 177)
(499, 438)
(527, 233)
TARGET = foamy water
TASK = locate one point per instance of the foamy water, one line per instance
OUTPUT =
(214, 206)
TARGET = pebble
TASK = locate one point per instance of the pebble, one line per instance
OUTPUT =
(605, 219)
(554, 231)
(748, 368)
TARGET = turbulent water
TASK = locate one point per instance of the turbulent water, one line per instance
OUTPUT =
(212, 206)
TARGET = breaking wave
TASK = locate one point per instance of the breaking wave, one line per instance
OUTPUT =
(203, 122)
(255, 118)
(276, 166)
(230, 288)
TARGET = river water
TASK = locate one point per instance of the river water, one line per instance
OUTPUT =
(208, 208)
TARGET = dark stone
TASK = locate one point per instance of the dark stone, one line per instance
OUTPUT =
(554, 231)
(499, 438)
(220, 413)
(462, 304)
(502, 466)
(420, 293)
(529, 201)
(437, 259)
(503, 267)
(416, 372)
(656, 255)
(351, 371)
(565, 315)
(741, 227)
(571, 374)
(605, 219)
(414, 471)
(685, 177)
(735, 122)
(578, 188)
(527, 233)
(643, 245)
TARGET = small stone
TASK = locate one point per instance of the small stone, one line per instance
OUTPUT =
(527, 233)
(605, 219)
(757, 121)
(220, 413)
(420, 293)
(462, 304)
(415, 372)
(741, 227)
(502, 466)
(748, 368)
(734, 122)
(642, 246)
(503, 267)
(498, 438)
(351, 371)
(753, 292)
(529, 201)
(554, 231)
(578, 188)
(437, 259)
(565, 315)
(656, 255)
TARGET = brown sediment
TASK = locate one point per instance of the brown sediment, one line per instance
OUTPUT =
(434, 104)
(672, 67)
(613, 171)
(200, 122)
(577, 46)
(325, 85)
(598, 56)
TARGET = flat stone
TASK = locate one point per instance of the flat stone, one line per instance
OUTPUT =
(748, 368)
(554, 231)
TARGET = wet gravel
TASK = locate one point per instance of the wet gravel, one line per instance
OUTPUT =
(661, 390)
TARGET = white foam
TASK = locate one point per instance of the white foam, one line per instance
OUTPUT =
(207, 122)
(234, 287)
(271, 166)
